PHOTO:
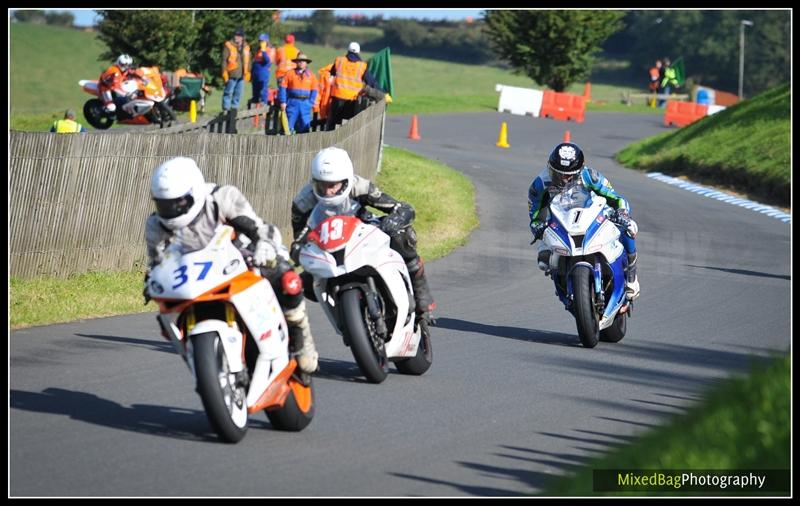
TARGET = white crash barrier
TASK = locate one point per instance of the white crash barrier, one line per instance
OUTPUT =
(521, 101)
(713, 109)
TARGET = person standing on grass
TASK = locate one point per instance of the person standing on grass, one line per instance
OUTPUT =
(235, 69)
(348, 77)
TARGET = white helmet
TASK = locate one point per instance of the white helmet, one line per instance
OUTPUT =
(124, 61)
(179, 191)
(354, 48)
(332, 165)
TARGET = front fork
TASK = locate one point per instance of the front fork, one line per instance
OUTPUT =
(597, 276)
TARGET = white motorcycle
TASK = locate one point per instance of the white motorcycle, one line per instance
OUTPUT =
(226, 323)
(588, 263)
(365, 290)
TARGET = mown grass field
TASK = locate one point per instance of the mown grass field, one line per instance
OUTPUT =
(443, 222)
(745, 147)
(47, 62)
(742, 424)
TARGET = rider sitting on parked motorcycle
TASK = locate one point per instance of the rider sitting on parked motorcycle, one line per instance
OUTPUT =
(188, 210)
(564, 165)
(333, 182)
(111, 81)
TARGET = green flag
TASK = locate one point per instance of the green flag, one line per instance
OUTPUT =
(680, 72)
(380, 66)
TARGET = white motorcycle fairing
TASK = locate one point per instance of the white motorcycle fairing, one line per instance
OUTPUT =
(344, 245)
(214, 273)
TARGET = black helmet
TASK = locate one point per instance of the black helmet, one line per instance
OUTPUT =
(566, 160)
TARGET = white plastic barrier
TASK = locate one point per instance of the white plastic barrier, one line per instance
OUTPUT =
(519, 101)
(713, 109)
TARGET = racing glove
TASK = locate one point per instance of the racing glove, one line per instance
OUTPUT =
(537, 229)
(265, 254)
(391, 224)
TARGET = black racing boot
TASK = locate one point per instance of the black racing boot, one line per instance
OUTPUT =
(422, 294)
(631, 280)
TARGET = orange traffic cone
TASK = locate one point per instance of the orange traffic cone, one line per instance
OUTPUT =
(587, 92)
(502, 140)
(566, 136)
(413, 133)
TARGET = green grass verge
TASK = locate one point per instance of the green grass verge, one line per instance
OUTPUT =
(745, 147)
(41, 301)
(743, 423)
(444, 200)
(445, 215)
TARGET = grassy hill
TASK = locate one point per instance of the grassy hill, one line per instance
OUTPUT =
(47, 62)
(745, 147)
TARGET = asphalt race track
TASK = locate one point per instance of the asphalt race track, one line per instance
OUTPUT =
(105, 408)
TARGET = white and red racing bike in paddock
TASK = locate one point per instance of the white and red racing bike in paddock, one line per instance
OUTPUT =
(226, 323)
(365, 289)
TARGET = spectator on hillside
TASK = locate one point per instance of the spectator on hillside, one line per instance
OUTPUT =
(655, 80)
(669, 80)
(297, 95)
(68, 125)
(235, 69)
(349, 75)
(262, 65)
(285, 56)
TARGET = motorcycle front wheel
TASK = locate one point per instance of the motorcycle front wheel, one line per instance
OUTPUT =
(354, 315)
(225, 402)
(584, 307)
(95, 114)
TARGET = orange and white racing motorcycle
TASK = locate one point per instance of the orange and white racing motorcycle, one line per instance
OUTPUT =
(364, 287)
(225, 321)
(149, 102)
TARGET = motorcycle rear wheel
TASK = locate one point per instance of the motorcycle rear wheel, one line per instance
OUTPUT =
(584, 307)
(354, 313)
(225, 404)
(94, 112)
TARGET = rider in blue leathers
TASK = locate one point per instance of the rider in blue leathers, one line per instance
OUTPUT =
(565, 163)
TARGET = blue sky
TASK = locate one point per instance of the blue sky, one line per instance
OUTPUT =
(85, 17)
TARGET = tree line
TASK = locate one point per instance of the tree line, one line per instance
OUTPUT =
(44, 18)
(558, 48)
(555, 48)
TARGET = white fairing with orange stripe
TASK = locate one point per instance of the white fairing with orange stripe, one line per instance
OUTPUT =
(218, 273)
(341, 245)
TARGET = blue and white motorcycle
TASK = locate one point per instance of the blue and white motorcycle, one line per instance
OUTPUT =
(587, 263)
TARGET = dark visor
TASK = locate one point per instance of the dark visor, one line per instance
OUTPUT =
(172, 208)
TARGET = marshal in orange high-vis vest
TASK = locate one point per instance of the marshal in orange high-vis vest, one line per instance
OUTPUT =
(349, 78)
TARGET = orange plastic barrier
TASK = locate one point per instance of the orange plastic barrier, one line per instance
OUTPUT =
(725, 98)
(682, 113)
(563, 106)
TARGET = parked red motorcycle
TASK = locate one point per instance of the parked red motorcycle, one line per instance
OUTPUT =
(147, 102)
